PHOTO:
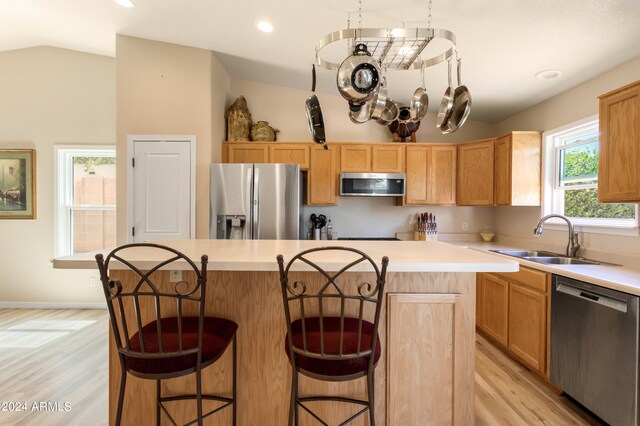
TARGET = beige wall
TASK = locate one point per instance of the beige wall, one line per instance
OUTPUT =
(284, 109)
(220, 87)
(166, 89)
(575, 104)
(49, 96)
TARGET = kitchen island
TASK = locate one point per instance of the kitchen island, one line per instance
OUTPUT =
(427, 330)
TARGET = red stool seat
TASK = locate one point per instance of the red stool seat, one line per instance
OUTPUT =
(331, 328)
(217, 334)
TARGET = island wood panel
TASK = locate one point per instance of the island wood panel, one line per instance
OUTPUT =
(619, 153)
(416, 324)
(254, 301)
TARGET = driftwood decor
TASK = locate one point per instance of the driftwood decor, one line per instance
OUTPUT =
(238, 121)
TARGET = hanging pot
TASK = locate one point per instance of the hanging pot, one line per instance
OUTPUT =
(419, 100)
(461, 106)
(314, 113)
(390, 113)
(379, 101)
(358, 77)
(446, 106)
(362, 115)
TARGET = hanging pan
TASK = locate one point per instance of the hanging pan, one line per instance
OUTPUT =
(379, 101)
(446, 106)
(461, 106)
(419, 100)
(314, 113)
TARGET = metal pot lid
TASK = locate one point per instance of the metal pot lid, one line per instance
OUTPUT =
(358, 77)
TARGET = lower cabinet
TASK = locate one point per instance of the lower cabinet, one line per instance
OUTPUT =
(512, 311)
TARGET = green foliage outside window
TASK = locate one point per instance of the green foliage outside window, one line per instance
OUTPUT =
(89, 163)
(584, 202)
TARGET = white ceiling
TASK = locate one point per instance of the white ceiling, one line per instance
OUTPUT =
(503, 43)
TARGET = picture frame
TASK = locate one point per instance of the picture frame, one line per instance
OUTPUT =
(17, 184)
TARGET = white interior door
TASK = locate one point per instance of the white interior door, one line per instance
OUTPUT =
(162, 190)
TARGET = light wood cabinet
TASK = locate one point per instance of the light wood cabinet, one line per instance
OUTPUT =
(528, 325)
(517, 169)
(387, 158)
(355, 158)
(619, 150)
(513, 311)
(431, 174)
(247, 153)
(415, 323)
(492, 317)
(475, 173)
(291, 153)
(322, 178)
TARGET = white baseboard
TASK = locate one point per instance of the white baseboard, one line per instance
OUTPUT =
(52, 305)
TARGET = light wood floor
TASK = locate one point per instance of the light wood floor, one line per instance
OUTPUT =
(70, 366)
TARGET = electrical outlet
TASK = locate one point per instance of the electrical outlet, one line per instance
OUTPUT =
(175, 276)
(465, 226)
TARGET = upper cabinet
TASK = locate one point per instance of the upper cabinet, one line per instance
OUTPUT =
(431, 174)
(371, 158)
(517, 169)
(247, 153)
(619, 151)
(290, 153)
(322, 178)
(475, 173)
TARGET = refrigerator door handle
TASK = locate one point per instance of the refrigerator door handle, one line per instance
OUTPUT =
(256, 204)
(249, 206)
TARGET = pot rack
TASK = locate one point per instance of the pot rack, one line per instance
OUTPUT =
(393, 48)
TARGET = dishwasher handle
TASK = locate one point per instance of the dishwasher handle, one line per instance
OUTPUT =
(593, 297)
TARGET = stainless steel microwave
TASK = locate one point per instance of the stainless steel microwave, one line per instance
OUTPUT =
(372, 184)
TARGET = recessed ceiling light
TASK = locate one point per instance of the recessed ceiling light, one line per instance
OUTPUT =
(265, 26)
(125, 3)
(548, 74)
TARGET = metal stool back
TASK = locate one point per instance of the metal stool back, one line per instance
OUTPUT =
(168, 342)
(325, 341)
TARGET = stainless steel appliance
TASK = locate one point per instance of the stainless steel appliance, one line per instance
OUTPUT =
(594, 348)
(372, 184)
(255, 201)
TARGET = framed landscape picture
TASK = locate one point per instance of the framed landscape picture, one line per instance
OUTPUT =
(17, 184)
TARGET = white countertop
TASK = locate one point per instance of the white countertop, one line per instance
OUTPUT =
(621, 278)
(260, 255)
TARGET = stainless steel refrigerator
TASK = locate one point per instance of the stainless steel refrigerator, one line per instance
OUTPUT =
(255, 201)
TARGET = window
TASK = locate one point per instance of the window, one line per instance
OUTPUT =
(85, 199)
(572, 179)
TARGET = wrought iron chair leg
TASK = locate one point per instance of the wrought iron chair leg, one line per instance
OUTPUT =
(123, 382)
(295, 401)
(234, 380)
(199, 395)
(294, 395)
(370, 391)
(158, 398)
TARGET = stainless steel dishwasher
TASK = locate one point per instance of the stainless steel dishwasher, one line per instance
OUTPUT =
(594, 348)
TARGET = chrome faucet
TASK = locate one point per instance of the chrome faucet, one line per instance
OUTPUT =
(573, 245)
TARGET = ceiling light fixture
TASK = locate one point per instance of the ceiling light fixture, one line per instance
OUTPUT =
(264, 26)
(548, 74)
(125, 3)
(396, 49)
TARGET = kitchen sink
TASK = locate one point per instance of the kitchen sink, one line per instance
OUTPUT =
(558, 260)
(527, 253)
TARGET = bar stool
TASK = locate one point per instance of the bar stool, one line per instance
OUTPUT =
(155, 338)
(323, 341)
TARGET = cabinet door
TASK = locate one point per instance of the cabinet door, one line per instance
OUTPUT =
(495, 303)
(418, 159)
(503, 170)
(247, 153)
(619, 151)
(387, 159)
(355, 158)
(417, 323)
(443, 175)
(290, 154)
(528, 326)
(475, 173)
(322, 178)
